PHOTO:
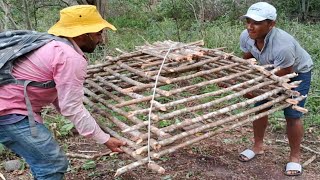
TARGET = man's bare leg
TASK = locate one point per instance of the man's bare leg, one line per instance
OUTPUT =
(259, 128)
(295, 134)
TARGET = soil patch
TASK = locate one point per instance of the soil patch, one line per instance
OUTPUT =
(214, 158)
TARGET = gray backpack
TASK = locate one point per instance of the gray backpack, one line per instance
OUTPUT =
(14, 44)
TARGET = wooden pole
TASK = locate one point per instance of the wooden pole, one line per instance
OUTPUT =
(210, 104)
(199, 138)
(195, 97)
(135, 134)
(125, 114)
(142, 74)
(209, 125)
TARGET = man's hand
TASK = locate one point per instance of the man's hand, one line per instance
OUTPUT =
(285, 71)
(114, 144)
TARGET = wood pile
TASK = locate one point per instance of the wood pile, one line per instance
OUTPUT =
(188, 103)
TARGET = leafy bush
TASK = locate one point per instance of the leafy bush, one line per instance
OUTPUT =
(297, 8)
(59, 125)
(2, 148)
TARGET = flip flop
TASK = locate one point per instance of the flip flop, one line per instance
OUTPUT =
(292, 166)
(248, 153)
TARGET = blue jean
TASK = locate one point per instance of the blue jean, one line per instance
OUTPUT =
(46, 159)
(303, 89)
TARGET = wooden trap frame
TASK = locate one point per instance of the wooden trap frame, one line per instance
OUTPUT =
(188, 105)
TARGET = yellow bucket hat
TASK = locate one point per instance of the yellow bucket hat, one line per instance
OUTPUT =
(77, 20)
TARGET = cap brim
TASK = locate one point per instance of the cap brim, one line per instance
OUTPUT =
(254, 17)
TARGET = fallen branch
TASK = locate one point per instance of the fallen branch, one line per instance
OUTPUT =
(309, 161)
(304, 147)
(2, 176)
(314, 142)
(84, 156)
(80, 151)
(77, 155)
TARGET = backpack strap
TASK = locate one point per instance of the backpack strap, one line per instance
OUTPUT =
(32, 122)
(26, 83)
(45, 85)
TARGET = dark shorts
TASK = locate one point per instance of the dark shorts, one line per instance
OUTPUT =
(303, 89)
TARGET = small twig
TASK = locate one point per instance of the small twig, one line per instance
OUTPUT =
(121, 51)
(87, 151)
(309, 161)
(2, 176)
(81, 143)
(103, 154)
(77, 155)
(314, 142)
(304, 147)
(95, 156)
(50, 116)
(309, 149)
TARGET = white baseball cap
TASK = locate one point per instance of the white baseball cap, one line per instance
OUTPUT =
(261, 11)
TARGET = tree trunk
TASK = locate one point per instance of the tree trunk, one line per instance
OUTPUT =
(7, 16)
(71, 2)
(27, 17)
(1, 25)
(303, 9)
(101, 6)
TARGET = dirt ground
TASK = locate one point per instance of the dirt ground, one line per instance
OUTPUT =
(214, 158)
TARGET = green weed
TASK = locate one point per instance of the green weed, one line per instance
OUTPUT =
(89, 164)
(167, 87)
(60, 125)
(163, 99)
(2, 148)
(142, 117)
(164, 123)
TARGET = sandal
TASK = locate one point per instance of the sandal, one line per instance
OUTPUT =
(295, 167)
(248, 154)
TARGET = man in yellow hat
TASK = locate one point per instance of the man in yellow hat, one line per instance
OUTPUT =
(62, 62)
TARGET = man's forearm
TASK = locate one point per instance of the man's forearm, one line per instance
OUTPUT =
(284, 71)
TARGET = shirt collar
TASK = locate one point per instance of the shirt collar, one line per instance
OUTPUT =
(268, 37)
(77, 48)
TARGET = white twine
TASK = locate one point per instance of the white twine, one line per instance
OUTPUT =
(151, 102)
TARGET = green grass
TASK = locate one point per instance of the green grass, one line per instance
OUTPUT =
(164, 99)
(167, 87)
(165, 123)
